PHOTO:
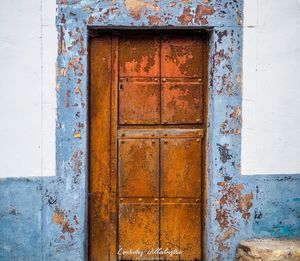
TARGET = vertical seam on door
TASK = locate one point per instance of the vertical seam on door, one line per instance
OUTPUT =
(159, 143)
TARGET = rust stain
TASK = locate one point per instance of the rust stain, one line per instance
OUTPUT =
(73, 64)
(78, 87)
(63, 72)
(222, 217)
(63, 47)
(231, 201)
(77, 162)
(67, 98)
(57, 87)
(244, 204)
(235, 114)
(201, 12)
(154, 20)
(90, 20)
(222, 238)
(76, 65)
(225, 129)
(138, 7)
(220, 56)
(230, 125)
(225, 83)
(59, 218)
(186, 16)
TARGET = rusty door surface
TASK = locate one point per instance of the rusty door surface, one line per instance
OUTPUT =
(147, 119)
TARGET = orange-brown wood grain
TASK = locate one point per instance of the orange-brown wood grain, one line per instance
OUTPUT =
(181, 229)
(99, 147)
(147, 155)
(139, 101)
(139, 168)
(181, 167)
(113, 208)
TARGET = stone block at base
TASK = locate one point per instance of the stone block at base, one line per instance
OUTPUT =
(268, 250)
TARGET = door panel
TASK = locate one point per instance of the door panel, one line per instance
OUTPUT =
(181, 57)
(182, 101)
(138, 228)
(181, 167)
(146, 129)
(138, 168)
(139, 100)
(179, 223)
(139, 55)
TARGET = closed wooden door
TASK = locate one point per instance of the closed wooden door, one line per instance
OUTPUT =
(147, 118)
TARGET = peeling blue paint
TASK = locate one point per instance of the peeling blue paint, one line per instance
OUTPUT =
(20, 219)
(277, 199)
(46, 219)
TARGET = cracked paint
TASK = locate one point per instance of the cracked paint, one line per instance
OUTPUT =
(186, 16)
(202, 11)
(138, 7)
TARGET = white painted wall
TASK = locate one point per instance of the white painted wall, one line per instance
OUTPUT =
(271, 87)
(27, 88)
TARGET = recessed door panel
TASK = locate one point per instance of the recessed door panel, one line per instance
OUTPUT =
(139, 55)
(182, 101)
(179, 230)
(138, 230)
(139, 101)
(138, 168)
(180, 167)
(181, 57)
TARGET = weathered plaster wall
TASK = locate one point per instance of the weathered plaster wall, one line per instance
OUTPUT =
(277, 206)
(21, 219)
(28, 50)
(239, 207)
(271, 94)
(270, 208)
